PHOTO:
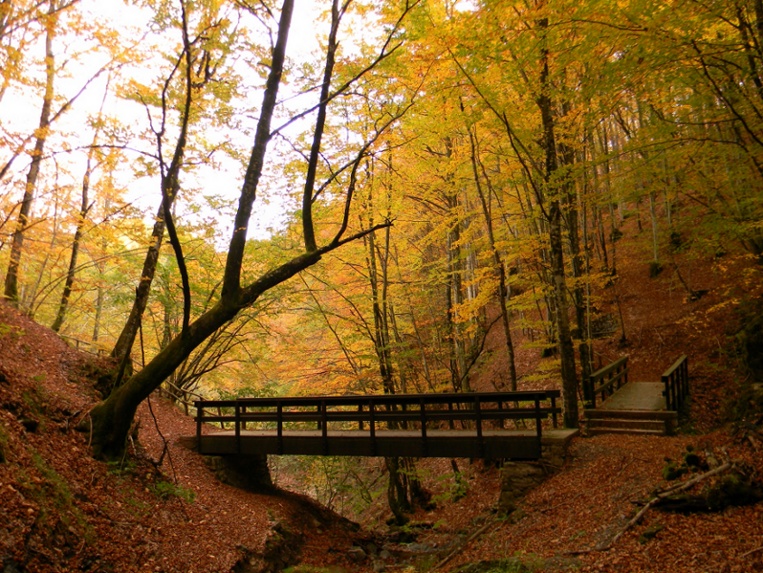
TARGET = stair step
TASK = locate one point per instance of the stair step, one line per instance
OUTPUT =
(658, 425)
(632, 431)
(631, 414)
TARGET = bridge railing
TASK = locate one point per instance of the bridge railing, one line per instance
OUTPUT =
(605, 381)
(676, 382)
(84, 345)
(476, 412)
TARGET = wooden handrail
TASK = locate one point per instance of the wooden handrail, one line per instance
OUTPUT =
(87, 346)
(676, 384)
(605, 381)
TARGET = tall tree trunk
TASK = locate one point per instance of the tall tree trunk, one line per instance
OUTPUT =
(170, 186)
(572, 220)
(17, 244)
(126, 339)
(455, 298)
(397, 491)
(79, 231)
(499, 267)
(556, 244)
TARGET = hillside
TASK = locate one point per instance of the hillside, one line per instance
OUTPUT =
(64, 511)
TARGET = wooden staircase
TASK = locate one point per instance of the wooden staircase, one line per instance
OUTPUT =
(635, 407)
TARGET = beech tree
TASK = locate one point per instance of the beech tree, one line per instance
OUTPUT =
(111, 419)
(11, 276)
(58, 19)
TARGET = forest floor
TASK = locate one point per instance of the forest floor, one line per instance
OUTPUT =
(61, 510)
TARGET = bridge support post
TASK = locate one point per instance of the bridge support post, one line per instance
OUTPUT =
(518, 478)
(247, 472)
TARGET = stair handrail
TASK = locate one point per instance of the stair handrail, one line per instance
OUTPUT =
(676, 384)
(605, 381)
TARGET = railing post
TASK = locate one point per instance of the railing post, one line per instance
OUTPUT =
(237, 426)
(372, 423)
(199, 416)
(589, 392)
(478, 415)
(279, 425)
(538, 426)
(360, 418)
(423, 416)
(324, 427)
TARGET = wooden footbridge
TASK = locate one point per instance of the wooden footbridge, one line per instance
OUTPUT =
(493, 425)
(613, 404)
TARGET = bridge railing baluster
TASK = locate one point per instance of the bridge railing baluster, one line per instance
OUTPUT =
(538, 426)
(478, 415)
(372, 426)
(237, 425)
(324, 426)
(279, 425)
(199, 420)
(423, 415)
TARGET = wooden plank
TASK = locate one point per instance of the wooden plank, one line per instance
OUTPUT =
(451, 443)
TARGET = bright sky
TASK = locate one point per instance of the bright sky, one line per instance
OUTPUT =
(133, 20)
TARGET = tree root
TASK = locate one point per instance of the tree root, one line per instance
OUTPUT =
(654, 501)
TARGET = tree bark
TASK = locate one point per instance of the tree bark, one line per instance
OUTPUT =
(111, 419)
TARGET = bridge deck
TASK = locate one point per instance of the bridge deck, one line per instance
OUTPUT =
(515, 444)
(637, 396)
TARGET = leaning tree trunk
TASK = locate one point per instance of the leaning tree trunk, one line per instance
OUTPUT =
(170, 186)
(123, 346)
(112, 418)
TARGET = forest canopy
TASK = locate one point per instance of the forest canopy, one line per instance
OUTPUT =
(229, 195)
